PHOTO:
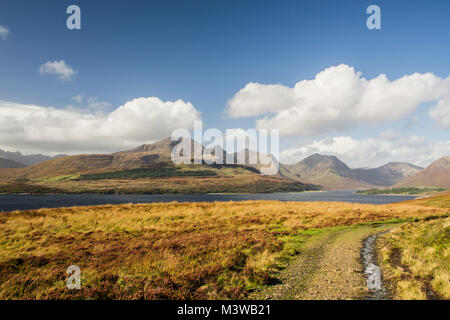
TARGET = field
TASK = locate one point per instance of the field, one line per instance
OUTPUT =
(174, 250)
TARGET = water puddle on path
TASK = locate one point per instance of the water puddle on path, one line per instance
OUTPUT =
(372, 271)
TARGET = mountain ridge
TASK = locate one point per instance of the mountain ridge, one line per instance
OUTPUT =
(10, 164)
(24, 159)
(327, 171)
(330, 172)
(437, 174)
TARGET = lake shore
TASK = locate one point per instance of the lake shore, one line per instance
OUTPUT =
(29, 202)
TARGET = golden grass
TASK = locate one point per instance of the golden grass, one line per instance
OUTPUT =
(215, 250)
(416, 258)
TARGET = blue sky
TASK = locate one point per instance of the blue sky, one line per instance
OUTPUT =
(204, 52)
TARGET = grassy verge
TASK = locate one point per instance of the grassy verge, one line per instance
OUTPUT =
(415, 259)
(402, 191)
(219, 250)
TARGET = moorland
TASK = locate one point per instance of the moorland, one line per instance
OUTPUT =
(220, 250)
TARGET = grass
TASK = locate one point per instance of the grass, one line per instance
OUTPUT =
(404, 190)
(24, 188)
(416, 259)
(147, 173)
(66, 177)
(220, 250)
(169, 185)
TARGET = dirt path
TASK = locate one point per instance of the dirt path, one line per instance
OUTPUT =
(328, 267)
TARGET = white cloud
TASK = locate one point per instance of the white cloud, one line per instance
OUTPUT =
(372, 152)
(78, 98)
(93, 103)
(59, 68)
(4, 32)
(338, 98)
(441, 113)
(32, 128)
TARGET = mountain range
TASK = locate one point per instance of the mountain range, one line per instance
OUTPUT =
(10, 164)
(23, 160)
(146, 169)
(332, 173)
(436, 174)
(321, 170)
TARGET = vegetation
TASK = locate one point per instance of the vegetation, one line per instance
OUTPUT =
(183, 185)
(221, 250)
(403, 190)
(416, 259)
(24, 188)
(147, 173)
(187, 179)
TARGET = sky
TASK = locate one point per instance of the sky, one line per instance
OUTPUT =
(137, 70)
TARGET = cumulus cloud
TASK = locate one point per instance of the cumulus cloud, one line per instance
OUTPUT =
(95, 104)
(59, 68)
(32, 128)
(78, 98)
(441, 113)
(4, 32)
(388, 146)
(92, 102)
(338, 98)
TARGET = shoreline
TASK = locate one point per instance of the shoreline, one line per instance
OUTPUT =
(20, 202)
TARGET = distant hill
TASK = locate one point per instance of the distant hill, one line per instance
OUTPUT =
(327, 171)
(163, 148)
(388, 174)
(145, 169)
(436, 174)
(8, 164)
(24, 159)
(332, 173)
(140, 157)
(145, 156)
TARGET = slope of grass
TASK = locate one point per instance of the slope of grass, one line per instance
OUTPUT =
(416, 259)
(161, 179)
(147, 173)
(24, 188)
(403, 190)
(216, 250)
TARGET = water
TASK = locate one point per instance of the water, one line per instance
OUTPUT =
(29, 202)
(372, 271)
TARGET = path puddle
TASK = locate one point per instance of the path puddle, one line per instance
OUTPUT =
(372, 271)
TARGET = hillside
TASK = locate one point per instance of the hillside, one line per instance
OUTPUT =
(7, 164)
(142, 157)
(24, 159)
(436, 174)
(388, 174)
(327, 171)
(145, 169)
(153, 161)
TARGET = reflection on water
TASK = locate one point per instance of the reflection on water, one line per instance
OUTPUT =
(372, 271)
(28, 202)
